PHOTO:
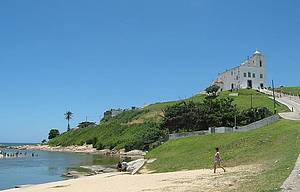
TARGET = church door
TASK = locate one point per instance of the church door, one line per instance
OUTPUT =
(249, 84)
(261, 85)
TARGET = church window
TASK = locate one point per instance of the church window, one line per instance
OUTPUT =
(253, 75)
(260, 63)
(249, 74)
(245, 74)
(261, 76)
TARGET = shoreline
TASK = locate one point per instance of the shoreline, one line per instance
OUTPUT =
(90, 170)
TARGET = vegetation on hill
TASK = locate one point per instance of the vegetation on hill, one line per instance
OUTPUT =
(140, 128)
(289, 90)
(275, 147)
(118, 132)
(243, 100)
(52, 134)
(190, 116)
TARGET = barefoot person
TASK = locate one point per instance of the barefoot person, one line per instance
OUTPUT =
(217, 160)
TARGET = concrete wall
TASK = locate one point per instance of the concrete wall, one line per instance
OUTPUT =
(187, 134)
(259, 124)
(213, 130)
(220, 130)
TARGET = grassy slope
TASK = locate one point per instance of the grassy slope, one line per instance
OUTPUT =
(275, 146)
(129, 125)
(290, 90)
(113, 133)
(243, 101)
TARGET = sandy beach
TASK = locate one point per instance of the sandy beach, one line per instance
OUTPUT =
(196, 180)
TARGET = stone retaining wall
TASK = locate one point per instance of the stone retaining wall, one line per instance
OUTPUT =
(213, 130)
(259, 124)
(187, 134)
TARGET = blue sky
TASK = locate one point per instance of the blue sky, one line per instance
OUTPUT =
(89, 56)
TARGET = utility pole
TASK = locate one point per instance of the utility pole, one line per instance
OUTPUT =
(235, 121)
(251, 101)
(235, 118)
(274, 101)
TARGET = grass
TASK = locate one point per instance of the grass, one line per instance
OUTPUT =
(113, 133)
(129, 126)
(276, 147)
(243, 101)
(289, 90)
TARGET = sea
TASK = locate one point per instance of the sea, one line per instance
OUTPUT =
(42, 166)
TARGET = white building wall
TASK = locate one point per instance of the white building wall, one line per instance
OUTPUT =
(253, 67)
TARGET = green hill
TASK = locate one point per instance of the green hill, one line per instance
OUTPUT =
(289, 90)
(135, 128)
(275, 147)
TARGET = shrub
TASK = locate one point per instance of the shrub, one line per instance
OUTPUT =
(99, 146)
(53, 133)
(92, 141)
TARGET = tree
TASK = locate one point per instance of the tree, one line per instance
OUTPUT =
(53, 133)
(212, 90)
(44, 141)
(190, 116)
(86, 124)
(254, 114)
(68, 117)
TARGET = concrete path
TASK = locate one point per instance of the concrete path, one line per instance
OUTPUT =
(293, 105)
(292, 102)
(292, 183)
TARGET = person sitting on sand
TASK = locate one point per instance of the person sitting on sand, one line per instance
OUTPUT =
(124, 165)
(119, 166)
(217, 160)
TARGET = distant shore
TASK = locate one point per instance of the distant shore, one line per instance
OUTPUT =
(135, 154)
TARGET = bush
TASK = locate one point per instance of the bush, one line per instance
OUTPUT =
(53, 133)
(99, 146)
(254, 114)
(92, 141)
(134, 144)
(212, 90)
(190, 116)
(153, 145)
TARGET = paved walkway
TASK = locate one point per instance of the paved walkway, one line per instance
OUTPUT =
(292, 102)
(293, 105)
(292, 183)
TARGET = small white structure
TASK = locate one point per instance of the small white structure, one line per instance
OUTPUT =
(250, 74)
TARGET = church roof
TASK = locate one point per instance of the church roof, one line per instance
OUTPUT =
(257, 52)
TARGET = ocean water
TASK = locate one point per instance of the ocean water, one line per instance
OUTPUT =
(43, 167)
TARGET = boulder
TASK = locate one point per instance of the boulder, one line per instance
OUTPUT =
(136, 165)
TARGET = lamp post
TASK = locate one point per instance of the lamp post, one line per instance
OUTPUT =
(274, 101)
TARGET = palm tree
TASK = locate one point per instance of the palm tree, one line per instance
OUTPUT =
(68, 117)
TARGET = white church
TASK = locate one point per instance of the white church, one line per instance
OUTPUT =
(250, 74)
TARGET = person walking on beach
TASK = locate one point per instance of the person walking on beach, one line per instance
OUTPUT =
(217, 160)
